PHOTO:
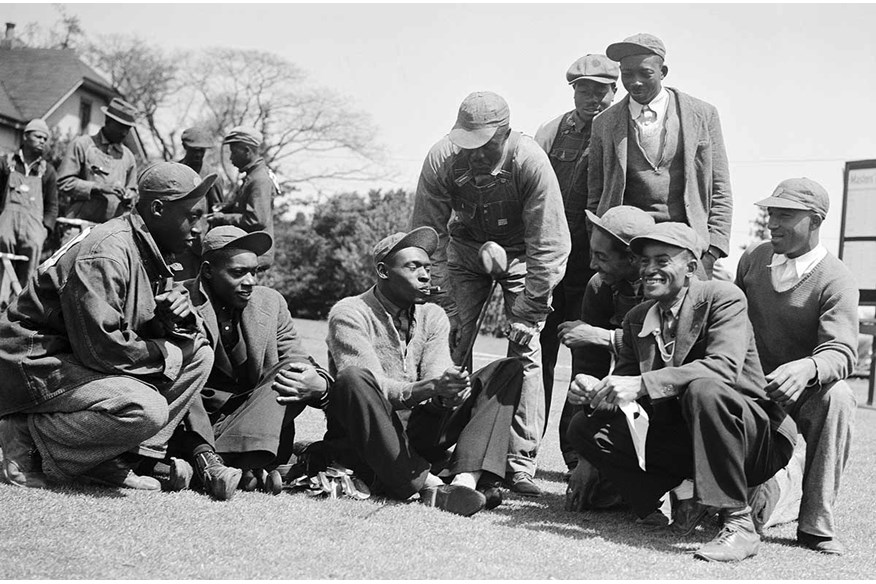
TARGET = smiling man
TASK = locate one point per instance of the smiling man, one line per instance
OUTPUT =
(803, 304)
(101, 356)
(661, 150)
(482, 182)
(688, 372)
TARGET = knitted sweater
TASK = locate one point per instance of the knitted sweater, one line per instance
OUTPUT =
(361, 334)
(818, 317)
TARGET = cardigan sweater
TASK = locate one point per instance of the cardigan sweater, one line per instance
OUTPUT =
(817, 317)
(361, 334)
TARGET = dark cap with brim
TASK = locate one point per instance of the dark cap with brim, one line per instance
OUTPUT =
(623, 222)
(121, 111)
(426, 238)
(638, 44)
(672, 233)
(196, 138)
(172, 181)
(232, 237)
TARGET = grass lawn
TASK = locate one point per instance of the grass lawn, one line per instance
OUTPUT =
(102, 533)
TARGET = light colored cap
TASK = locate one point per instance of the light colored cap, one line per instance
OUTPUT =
(623, 222)
(677, 234)
(480, 115)
(245, 134)
(639, 44)
(597, 68)
(799, 193)
(37, 125)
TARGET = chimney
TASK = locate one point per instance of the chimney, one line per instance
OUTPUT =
(8, 39)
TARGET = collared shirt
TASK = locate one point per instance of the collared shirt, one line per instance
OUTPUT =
(402, 318)
(547, 132)
(28, 167)
(786, 272)
(658, 105)
(655, 324)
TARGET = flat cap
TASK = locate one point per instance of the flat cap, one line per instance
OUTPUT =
(639, 44)
(623, 222)
(37, 125)
(121, 111)
(676, 234)
(480, 115)
(425, 238)
(172, 181)
(197, 138)
(799, 193)
(597, 68)
(231, 236)
(244, 134)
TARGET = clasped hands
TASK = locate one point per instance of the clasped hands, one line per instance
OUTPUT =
(299, 382)
(453, 387)
(611, 392)
(176, 315)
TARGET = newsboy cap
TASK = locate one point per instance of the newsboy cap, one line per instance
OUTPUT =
(172, 181)
(231, 236)
(623, 222)
(799, 193)
(479, 116)
(196, 138)
(426, 238)
(597, 68)
(639, 44)
(121, 111)
(673, 233)
(245, 134)
(37, 125)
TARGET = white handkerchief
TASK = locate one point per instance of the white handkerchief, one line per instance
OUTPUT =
(638, 421)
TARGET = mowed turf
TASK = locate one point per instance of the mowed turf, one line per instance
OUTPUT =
(87, 532)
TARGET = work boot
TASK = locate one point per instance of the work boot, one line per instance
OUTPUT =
(736, 541)
(521, 483)
(21, 463)
(219, 481)
(119, 472)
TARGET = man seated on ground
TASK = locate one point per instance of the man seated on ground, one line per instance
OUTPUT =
(391, 354)
(261, 378)
(689, 383)
(803, 305)
(596, 338)
(101, 356)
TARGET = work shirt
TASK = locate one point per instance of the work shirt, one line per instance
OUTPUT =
(527, 219)
(785, 272)
(47, 206)
(93, 161)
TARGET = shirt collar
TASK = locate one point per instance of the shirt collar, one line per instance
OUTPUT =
(653, 323)
(579, 123)
(148, 247)
(387, 304)
(27, 167)
(102, 140)
(248, 168)
(658, 104)
(803, 263)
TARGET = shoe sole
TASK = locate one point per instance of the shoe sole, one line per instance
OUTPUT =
(705, 558)
(459, 500)
(224, 491)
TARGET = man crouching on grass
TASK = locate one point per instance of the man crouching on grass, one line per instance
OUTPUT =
(391, 352)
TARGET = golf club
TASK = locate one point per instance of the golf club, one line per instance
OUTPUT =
(495, 262)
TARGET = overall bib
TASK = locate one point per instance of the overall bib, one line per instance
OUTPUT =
(21, 224)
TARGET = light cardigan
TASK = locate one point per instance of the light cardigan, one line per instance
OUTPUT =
(817, 317)
(361, 334)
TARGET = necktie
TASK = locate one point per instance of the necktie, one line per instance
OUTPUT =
(648, 116)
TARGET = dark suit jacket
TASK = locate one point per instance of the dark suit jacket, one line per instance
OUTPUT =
(707, 196)
(268, 333)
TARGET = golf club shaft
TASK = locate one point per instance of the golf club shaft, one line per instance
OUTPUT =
(466, 361)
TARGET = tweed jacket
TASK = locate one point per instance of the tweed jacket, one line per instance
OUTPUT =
(267, 331)
(707, 197)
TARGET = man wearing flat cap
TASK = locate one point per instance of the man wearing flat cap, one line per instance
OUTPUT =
(566, 140)
(102, 354)
(390, 354)
(28, 199)
(803, 305)
(261, 378)
(251, 207)
(196, 141)
(482, 182)
(661, 150)
(97, 178)
(686, 401)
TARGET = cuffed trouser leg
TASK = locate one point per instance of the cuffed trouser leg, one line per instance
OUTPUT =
(364, 430)
(480, 427)
(734, 446)
(825, 417)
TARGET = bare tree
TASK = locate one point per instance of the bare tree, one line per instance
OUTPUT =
(65, 33)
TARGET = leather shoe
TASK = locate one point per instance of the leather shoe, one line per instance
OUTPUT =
(118, 472)
(181, 473)
(820, 543)
(21, 464)
(736, 541)
(521, 483)
(457, 499)
(686, 515)
(219, 481)
(655, 518)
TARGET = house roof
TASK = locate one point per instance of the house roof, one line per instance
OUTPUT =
(33, 81)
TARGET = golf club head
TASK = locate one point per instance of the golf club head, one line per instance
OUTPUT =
(493, 258)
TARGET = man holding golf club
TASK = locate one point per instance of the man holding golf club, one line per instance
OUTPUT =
(482, 182)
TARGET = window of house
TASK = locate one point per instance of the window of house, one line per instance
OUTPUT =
(84, 116)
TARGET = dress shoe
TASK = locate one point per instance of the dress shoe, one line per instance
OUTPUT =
(219, 481)
(181, 473)
(655, 519)
(736, 541)
(457, 499)
(686, 515)
(119, 472)
(763, 500)
(521, 483)
(21, 464)
(820, 543)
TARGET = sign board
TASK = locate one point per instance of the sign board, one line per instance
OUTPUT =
(857, 247)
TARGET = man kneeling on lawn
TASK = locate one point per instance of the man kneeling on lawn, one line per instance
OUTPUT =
(391, 353)
(689, 384)
(261, 378)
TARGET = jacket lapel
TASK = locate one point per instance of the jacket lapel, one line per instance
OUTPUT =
(254, 322)
(620, 134)
(688, 135)
(646, 345)
(202, 304)
(691, 318)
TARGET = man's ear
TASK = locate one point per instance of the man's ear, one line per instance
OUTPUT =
(692, 265)
(206, 270)
(815, 221)
(156, 207)
(381, 271)
(665, 71)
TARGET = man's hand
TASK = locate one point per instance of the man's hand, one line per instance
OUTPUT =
(109, 190)
(617, 390)
(299, 382)
(521, 332)
(582, 483)
(453, 387)
(577, 333)
(788, 381)
(173, 307)
(581, 389)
